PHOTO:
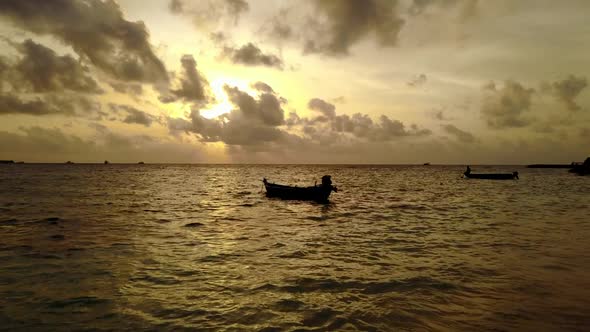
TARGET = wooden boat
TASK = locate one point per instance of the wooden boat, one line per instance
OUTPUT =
(492, 176)
(315, 193)
(581, 168)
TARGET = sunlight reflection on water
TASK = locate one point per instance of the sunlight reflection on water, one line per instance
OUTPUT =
(399, 247)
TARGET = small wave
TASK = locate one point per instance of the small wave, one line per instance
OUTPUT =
(8, 222)
(321, 317)
(305, 285)
(295, 254)
(320, 218)
(194, 224)
(287, 305)
(85, 301)
(157, 280)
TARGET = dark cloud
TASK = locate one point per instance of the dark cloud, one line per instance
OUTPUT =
(361, 126)
(192, 86)
(11, 104)
(319, 105)
(254, 121)
(210, 11)
(251, 55)
(505, 107)
(175, 6)
(42, 70)
(96, 30)
(263, 87)
(346, 22)
(66, 105)
(568, 89)
(135, 89)
(217, 37)
(237, 7)
(259, 123)
(339, 100)
(133, 115)
(418, 81)
(386, 129)
(466, 9)
(461, 135)
(267, 109)
(38, 144)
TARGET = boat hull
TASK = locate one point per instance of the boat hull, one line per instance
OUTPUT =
(492, 176)
(316, 193)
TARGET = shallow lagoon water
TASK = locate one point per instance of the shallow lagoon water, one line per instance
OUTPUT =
(199, 247)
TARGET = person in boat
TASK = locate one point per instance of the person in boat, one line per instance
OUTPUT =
(327, 183)
(467, 171)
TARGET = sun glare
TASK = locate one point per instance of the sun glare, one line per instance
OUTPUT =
(223, 104)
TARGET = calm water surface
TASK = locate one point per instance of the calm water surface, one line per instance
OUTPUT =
(186, 247)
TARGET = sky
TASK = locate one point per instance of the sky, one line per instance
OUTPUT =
(310, 81)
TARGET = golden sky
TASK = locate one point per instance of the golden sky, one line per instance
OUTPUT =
(311, 81)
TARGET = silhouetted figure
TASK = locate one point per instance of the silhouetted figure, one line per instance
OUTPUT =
(467, 171)
(327, 183)
(515, 175)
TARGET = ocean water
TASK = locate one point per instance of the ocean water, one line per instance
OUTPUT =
(199, 247)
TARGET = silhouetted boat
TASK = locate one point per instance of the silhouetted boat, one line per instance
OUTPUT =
(426, 164)
(6, 161)
(140, 163)
(106, 162)
(69, 162)
(492, 176)
(581, 168)
(316, 193)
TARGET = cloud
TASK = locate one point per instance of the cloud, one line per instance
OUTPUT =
(42, 70)
(466, 8)
(319, 105)
(267, 109)
(134, 89)
(39, 144)
(505, 107)
(346, 22)
(461, 135)
(66, 105)
(263, 87)
(97, 32)
(418, 81)
(133, 115)
(209, 12)
(251, 55)
(254, 121)
(568, 89)
(192, 85)
(329, 125)
(11, 104)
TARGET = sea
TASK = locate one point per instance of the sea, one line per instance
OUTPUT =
(200, 248)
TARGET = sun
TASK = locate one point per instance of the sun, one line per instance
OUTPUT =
(223, 104)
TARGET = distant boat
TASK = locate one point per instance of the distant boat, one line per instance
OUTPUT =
(490, 176)
(69, 162)
(106, 162)
(581, 168)
(6, 161)
(426, 164)
(316, 193)
(140, 163)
